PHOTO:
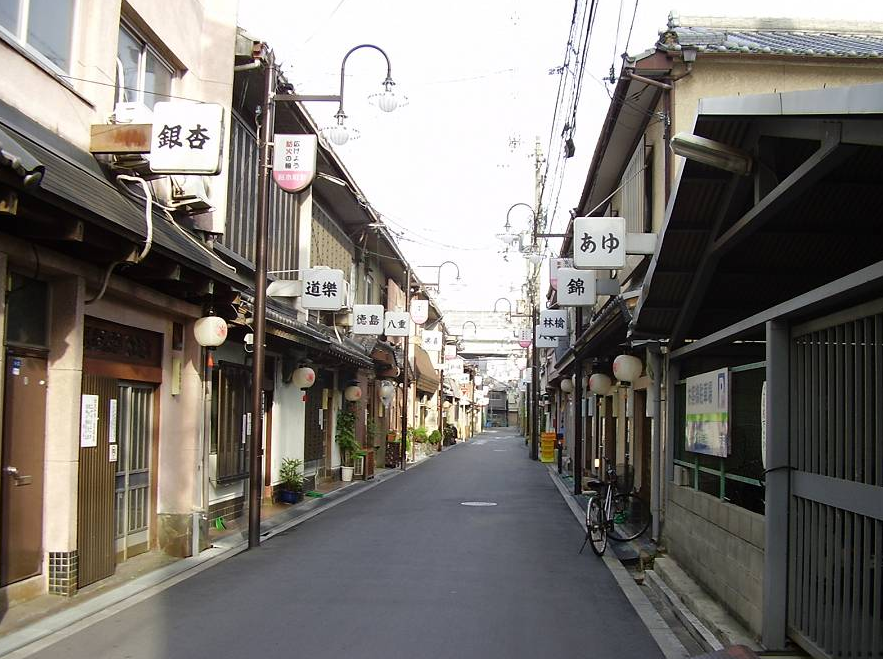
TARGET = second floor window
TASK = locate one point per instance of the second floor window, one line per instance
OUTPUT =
(42, 25)
(142, 75)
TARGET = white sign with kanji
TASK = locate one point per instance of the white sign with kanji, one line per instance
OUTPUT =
(419, 311)
(186, 138)
(599, 243)
(554, 266)
(323, 289)
(397, 323)
(545, 340)
(432, 340)
(576, 288)
(368, 319)
(552, 323)
(450, 352)
(294, 161)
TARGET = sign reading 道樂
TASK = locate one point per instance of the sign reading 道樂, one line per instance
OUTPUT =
(323, 289)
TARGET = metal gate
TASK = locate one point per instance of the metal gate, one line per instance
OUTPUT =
(835, 587)
(132, 509)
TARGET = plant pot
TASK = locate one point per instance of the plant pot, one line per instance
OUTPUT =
(287, 496)
(346, 474)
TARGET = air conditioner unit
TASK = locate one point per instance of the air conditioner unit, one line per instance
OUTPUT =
(131, 112)
(188, 194)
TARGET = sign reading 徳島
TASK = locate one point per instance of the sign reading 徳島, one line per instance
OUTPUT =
(552, 323)
(186, 138)
(294, 161)
(576, 288)
(368, 319)
(707, 415)
(323, 289)
(599, 243)
(397, 323)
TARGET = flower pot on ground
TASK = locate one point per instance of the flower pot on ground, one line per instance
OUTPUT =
(292, 480)
(346, 474)
(345, 436)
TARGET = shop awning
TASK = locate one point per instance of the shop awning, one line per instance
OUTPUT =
(427, 378)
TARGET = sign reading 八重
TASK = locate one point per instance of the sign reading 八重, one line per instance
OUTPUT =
(186, 138)
(397, 323)
(294, 161)
(368, 319)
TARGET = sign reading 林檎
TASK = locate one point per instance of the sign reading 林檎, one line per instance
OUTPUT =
(294, 161)
(599, 243)
(553, 323)
(186, 138)
(707, 415)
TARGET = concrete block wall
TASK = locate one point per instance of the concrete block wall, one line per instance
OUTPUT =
(722, 547)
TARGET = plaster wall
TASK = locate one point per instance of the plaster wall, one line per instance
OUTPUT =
(288, 425)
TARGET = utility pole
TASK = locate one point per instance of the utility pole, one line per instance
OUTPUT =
(260, 304)
(534, 301)
(405, 371)
(578, 402)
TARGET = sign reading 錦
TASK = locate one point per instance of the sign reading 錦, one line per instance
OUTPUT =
(707, 415)
(294, 161)
(419, 311)
(599, 243)
(432, 340)
(323, 289)
(368, 319)
(397, 323)
(545, 340)
(553, 323)
(576, 288)
(186, 138)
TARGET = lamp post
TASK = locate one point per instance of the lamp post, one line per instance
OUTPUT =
(437, 282)
(267, 127)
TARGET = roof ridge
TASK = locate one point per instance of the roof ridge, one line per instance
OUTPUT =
(783, 24)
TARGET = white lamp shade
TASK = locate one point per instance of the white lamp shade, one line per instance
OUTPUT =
(387, 101)
(627, 368)
(567, 385)
(210, 332)
(387, 392)
(535, 258)
(353, 393)
(304, 377)
(446, 405)
(600, 384)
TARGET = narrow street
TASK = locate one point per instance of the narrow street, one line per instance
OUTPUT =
(403, 570)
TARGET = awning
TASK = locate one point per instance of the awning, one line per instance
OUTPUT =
(19, 159)
(607, 331)
(427, 378)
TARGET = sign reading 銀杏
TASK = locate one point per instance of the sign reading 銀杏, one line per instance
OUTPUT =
(707, 417)
(323, 289)
(368, 319)
(294, 161)
(186, 138)
(599, 243)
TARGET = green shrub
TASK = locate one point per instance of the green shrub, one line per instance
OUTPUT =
(434, 437)
(291, 475)
(345, 436)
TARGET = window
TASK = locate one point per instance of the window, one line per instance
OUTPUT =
(231, 420)
(27, 312)
(43, 25)
(142, 76)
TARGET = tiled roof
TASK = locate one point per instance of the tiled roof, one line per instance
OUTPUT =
(779, 36)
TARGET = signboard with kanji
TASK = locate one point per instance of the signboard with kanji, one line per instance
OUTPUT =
(554, 266)
(323, 289)
(186, 138)
(294, 161)
(576, 288)
(368, 319)
(707, 417)
(599, 243)
(397, 323)
(450, 351)
(553, 323)
(419, 311)
(546, 340)
(432, 340)
(525, 337)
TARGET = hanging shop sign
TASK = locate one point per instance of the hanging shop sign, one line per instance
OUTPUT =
(553, 323)
(294, 161)
(554, 266)
(432, 340)
(707, 415)
(323, 289)
(576, 288)
(186, 138)
(545, 340)
(397, 323)
(419, 311)
(599, 243)
(368, 319)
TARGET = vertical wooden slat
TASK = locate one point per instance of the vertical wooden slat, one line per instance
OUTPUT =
(867, 578)
(848, 403)
(815, 400)
(856, 588)
(846, 612)
(868, 379)
(818, 567)
(840, 404)
(831, 401)
(876, 631)
(878, 400)
(830, 539)
(858, 434)
(838, 593)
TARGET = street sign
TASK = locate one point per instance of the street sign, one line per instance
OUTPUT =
(545, 340)
(323, 289)
(186, 138)
(397, 323)
(432, 340)
(368, 319)
(599, 243)
(576, 288)
(294, 161)
(553, 323)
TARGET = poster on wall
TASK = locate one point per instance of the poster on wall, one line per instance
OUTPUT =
(707, 418)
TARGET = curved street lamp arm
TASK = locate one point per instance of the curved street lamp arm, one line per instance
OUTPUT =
(386, 83)
(445, 263)
(506, 300)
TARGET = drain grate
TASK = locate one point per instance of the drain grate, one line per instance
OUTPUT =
(477, 503)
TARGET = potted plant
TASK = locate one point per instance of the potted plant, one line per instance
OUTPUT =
(292, 485)
(345, 436)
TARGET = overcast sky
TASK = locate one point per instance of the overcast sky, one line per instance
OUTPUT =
(444, 170)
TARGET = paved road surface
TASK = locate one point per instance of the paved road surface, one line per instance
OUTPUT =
(403, 570)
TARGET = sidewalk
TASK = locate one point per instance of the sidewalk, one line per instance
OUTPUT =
(145, 575)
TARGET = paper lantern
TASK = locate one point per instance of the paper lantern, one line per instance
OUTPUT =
(353, 393)
(600, 384)
(446, 405)
(387, 392)
(304, 377)
(210, 332)
(567, 385)
(627, 368)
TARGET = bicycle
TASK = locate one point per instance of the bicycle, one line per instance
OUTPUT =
(622, 516)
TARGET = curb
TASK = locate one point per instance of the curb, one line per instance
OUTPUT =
(665, 638)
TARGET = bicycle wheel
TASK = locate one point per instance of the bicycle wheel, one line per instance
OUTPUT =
(630, 517)
(596, 531)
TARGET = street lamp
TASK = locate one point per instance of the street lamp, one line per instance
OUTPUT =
(267, 129)
(437, 283)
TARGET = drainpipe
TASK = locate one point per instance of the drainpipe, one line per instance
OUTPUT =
(654, 361)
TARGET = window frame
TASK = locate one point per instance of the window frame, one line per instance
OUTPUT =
(138, 87)
(231, 398)
(20, 37)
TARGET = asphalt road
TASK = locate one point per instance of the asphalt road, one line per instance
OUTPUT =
(402, 570)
